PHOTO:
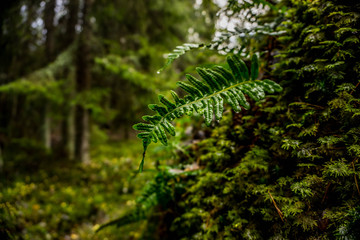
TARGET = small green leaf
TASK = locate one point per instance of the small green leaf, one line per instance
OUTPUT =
(199, 84)
(274, 85)
(143, 127)
(208, 112)
(218, 107)
(190, 89)
(169, 105)
(209, 79)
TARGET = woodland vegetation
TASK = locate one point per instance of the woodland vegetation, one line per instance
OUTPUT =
(252, 109)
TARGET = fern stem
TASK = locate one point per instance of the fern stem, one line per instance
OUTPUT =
(146, 143)
(309, 104)
(326, 192)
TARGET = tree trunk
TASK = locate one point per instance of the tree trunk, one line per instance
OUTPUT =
(83, 84)
(68, 124)
(73, 9)
(49, 15)
(47, 127)
(70, 127)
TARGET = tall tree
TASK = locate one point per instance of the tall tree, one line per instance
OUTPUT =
(49, 16)
(72, 20)
(83, 85)
(68, 124)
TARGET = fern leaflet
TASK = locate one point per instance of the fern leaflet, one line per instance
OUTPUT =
(206, 97)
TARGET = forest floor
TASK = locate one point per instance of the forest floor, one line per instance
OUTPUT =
(67, 200)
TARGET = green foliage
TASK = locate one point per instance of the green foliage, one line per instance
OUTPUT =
(221, 42)
(42, 82)
(288, 169)
(245, 6)
(178, 51)
(68, 199)
(250, 12)
(116, 65)
(336, 169)
(349, 230)
(154, 193)
(206, 97)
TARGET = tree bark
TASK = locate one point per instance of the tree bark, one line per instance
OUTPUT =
(47, 127)
(49, 15)
(71, 137)
(73, 9)
(83, 85)
(68, 124)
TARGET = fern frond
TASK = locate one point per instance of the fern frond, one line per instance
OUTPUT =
(206, 97)
(154, 193)
(179, 51)
(132, 217)
(240, 33)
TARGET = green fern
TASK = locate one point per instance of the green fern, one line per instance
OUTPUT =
(206, 97)
(217, 43)
(156, 192)
(179, 51)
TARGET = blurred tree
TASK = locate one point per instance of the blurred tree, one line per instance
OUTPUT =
(83, 84)
(100, 56)
(49, 15)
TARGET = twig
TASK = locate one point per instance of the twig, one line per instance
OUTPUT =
(309, 104)
(326, 192)
(276, 207)
(354, 90)
(357, 186)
